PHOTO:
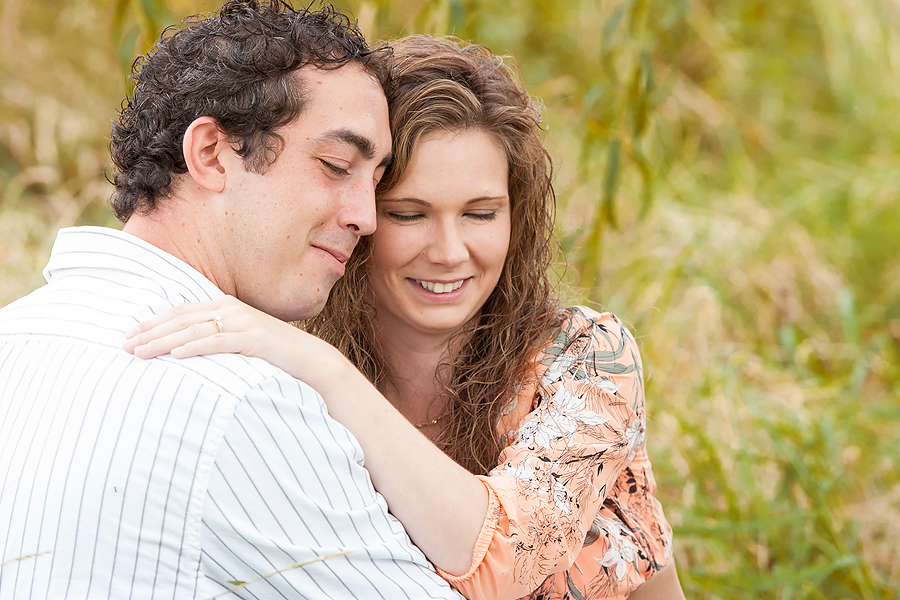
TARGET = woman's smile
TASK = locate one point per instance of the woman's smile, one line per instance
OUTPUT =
(438, 287)
(440, 292)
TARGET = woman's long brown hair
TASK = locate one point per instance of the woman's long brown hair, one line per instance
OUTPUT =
(444, 85)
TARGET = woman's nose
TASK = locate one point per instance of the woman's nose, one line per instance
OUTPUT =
(447, 246)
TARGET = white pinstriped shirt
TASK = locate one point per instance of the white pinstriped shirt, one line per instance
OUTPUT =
(123, 478)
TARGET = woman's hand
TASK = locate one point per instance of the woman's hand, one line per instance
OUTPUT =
(192, 330)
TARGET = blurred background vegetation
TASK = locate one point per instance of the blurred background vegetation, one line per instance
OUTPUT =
(728, 176)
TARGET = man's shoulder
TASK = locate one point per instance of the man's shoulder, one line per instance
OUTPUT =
(238, 375)
(72, 319)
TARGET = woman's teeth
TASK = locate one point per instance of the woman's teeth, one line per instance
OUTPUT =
(440, 288)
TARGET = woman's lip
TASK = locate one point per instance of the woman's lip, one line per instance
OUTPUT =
(444, 281)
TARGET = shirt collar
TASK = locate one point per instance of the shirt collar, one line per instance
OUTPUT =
(113, 250)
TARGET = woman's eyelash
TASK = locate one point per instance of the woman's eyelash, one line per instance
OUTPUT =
(484, 216)
(402, 217)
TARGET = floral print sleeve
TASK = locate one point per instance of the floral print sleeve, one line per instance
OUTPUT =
(572, 512)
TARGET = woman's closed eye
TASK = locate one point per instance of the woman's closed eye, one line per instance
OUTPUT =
(404, 217)
(483, 216)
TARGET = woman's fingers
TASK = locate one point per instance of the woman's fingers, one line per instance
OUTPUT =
(214, 344)
(184, 314)
(161, 341)
(224, 325)
(194, 324)
(182, 324)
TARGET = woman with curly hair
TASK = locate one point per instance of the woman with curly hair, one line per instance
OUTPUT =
(506, 433)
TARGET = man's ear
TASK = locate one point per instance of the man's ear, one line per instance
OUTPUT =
(204, 150)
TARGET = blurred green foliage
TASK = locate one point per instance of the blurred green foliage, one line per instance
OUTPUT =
(728, 176)
(135, 26)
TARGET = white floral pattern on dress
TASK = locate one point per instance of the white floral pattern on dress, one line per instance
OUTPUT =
(559, 420)
(621, 552)
(559, 368)
(524, 471)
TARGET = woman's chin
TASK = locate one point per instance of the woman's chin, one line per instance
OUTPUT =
(444, 321)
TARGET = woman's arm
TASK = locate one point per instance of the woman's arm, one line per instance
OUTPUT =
(441, 505)
(571, 448)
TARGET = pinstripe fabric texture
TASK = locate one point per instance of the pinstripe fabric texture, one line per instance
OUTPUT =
(123, 478)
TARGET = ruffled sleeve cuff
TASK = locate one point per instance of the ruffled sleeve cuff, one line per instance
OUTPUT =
(483, 542)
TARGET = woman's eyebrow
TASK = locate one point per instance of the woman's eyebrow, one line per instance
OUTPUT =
(410, 200)
(421, 202)
(486, 199)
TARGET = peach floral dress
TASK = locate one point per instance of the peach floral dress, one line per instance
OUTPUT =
(572, 513)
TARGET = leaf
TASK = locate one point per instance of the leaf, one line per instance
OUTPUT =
(118, 20)
(610, 27)
(576, 593)
(611, 183)
(847, 307)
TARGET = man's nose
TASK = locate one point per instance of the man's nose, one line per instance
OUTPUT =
(447, 246)
(358, 214)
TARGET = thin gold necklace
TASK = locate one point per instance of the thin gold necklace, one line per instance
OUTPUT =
(434, 421)
(431, 422)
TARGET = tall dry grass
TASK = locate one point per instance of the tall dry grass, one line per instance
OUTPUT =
(728, 179)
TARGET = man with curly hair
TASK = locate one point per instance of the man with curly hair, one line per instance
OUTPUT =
(246, 163)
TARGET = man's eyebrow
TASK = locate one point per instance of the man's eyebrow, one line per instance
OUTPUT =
(363, 144)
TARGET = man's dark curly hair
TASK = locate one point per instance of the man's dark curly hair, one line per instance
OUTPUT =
(235, 66)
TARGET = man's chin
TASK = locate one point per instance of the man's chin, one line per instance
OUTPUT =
(308, 309)
(289, 309)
